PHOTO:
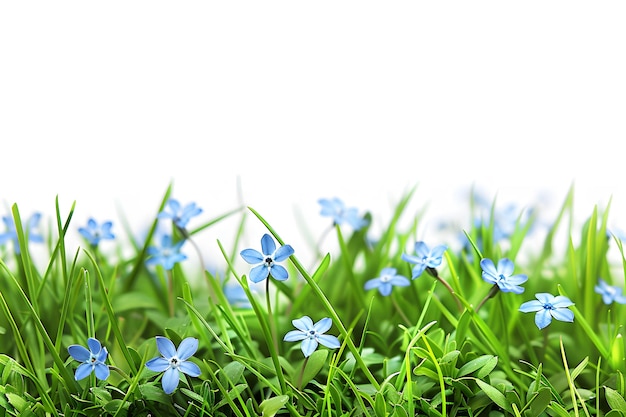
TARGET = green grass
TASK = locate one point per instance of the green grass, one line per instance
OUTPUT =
(432, 348)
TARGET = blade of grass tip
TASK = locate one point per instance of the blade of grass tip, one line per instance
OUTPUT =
(327, 305)
(130, 280)
(59, 249)
(215, 220)
(113, 321)
(40, 327)
(31, 285)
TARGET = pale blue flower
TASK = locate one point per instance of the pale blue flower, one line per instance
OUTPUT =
(609, 293)
(266, 261)
(424, 257)
(548, 306)
(178, 214)
(92, 359)
(387, 279)
(174, 361)
(167, 255)
(94, 232)
(312, 334)
(336, 209)
(502, 276)
(30, 231)
(236, 296)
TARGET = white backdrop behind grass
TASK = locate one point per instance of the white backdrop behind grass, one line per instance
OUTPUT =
(106, 104)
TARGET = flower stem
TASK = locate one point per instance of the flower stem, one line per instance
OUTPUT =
(435, 274)
(299, 383)
(397, 307)
(492, 292)
(269, 313)
(170, 285)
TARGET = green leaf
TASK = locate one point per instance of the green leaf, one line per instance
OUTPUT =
(615, 400)
(495, 395)
(231, 373)
(538, 402)
(313, 366)
(475, 364)
(271, 406)
(487, 367)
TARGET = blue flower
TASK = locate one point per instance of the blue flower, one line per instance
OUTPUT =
(266, 262)
(312, 334)
(11, 232)
(179, 215)
(92, 359)
(336, 209)
(388, 278)
(609, 293)
(94, 233)
(236, 296)
(425, 257)
(174, 361)
(548, 306)
(502, 276)
(168, 254)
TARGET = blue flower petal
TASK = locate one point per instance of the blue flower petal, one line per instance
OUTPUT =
(283, 253)
(268, 245)
(294, 336)
(170, 380)
(563, 314)
(530, 306)
(323, 325)
(83, 370)
(308, 346)
(187, 348)
(166, 347)
(385, 288)
(252, 256)
(102, 371)
(279, 272)
(259, 273)
(304, 323)
(372, 283)
(94, 345)
(190, 368)
(329, 341)
(542, 318)
(158, 364)
(505, 267)
(78, 352)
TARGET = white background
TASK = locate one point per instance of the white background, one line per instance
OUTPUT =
(105, 103)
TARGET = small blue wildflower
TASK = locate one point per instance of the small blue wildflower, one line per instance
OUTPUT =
(312, 334)
(174, 361)
(92, 359)
(180, 215)
(11, 232)
(388, 278)
(336, 209)
(94, 233)
(424, 258)
(609, 293)
(266, 262)
(236, 296)
(548, 306)
(502, 276)
(168, 254)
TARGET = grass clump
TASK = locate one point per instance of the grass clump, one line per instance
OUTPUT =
(387, 325)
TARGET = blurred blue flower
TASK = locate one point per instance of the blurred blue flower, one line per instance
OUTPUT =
(30, 231)
(609, 293)
(336, 209)
(174, 361)
(312, 334)
(178, 214)
(167, 255)
(424, 257)
(266, 262)
(388, 278)
(502, 276)
(236, 296)
(92, 359)
(94, 233)
(548, 306)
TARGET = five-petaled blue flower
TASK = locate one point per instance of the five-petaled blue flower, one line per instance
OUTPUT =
(11, 232)
(548, 306)
(174, 361)
(502, 276)
(609, 293)
(266, 262)
(424, 257)
(168, 254)
(94, 232)
(180, 215)
(336, 209)
(312, 334)
(92, 359)
(388, 278)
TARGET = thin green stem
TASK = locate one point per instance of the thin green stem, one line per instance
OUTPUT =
(492, 293)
